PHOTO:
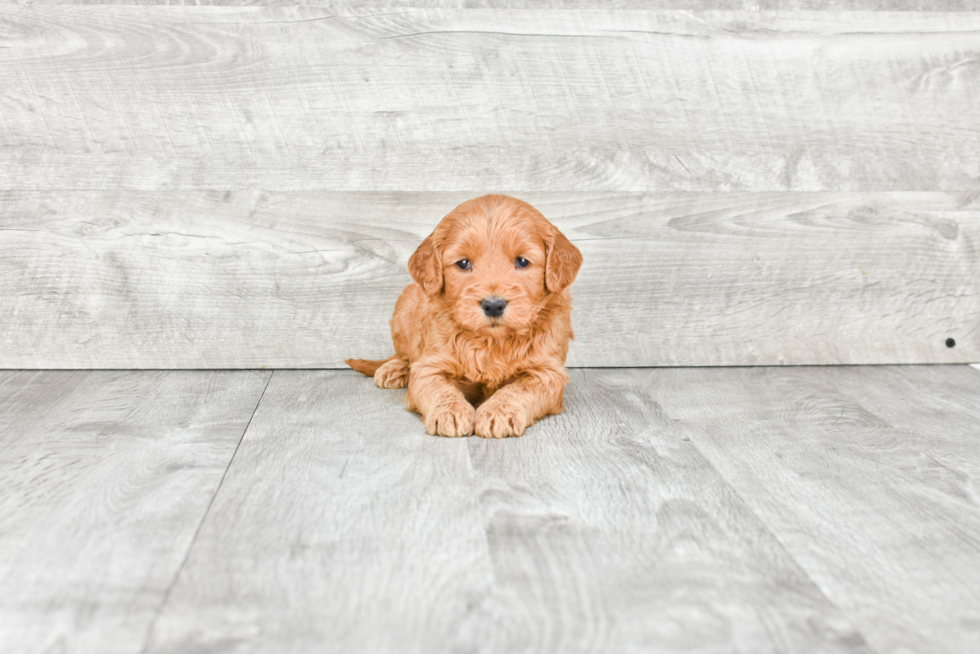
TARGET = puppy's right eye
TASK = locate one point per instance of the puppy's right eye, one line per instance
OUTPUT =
(464, 264)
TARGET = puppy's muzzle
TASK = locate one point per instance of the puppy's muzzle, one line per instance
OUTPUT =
(493, 307)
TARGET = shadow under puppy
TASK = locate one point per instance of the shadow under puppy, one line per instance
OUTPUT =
(482, 333)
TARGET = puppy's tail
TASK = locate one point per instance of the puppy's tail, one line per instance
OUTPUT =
(366, 366)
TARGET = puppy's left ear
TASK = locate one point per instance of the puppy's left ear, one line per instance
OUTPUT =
(425, 266)
(562, 262)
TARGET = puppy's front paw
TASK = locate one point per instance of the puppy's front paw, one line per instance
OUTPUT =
(454, 420)
(500, 420)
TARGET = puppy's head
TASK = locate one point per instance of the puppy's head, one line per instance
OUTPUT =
(497, 262)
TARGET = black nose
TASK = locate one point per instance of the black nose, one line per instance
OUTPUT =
(494, 306)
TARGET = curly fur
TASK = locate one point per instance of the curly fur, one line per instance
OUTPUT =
(467, 372)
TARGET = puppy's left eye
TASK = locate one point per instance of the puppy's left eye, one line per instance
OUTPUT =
(521, 262)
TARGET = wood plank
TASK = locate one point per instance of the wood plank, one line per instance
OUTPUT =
(306, 279)
(937, 408)
(609, 532)
(104, 479)
(876, 503)
(299, 98)
(343, 527)
(355, 7)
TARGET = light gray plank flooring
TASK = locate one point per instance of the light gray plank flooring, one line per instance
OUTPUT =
(868, 477)
(356, 7)
(306, 279)
(344, 530)
(342, 527)
(757, 510)
(104, 480)
(293, 98)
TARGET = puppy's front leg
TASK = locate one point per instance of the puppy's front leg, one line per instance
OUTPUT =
(444, 409)
(519, 404)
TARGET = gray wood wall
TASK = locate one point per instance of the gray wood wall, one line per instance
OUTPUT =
(222, 186)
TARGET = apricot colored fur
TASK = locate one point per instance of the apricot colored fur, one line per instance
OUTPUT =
(466, 372)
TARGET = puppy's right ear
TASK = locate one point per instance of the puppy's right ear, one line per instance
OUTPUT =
(425, 266)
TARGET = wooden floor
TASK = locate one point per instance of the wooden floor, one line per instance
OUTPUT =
(754, 510)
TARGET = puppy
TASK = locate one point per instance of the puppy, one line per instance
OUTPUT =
(482, 333)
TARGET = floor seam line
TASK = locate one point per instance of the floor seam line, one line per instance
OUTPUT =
(207, 511)
(687, 432)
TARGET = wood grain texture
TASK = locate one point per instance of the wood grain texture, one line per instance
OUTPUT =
(249, 279)
(295, 98)
(355, 8)
(338, 524)
(342, 527)
(104, 479)
(867, 476)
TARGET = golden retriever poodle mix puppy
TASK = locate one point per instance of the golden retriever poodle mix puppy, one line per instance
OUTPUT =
(482, 333)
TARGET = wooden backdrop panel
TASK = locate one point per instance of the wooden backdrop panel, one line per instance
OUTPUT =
(293, 98)
(229, 279)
